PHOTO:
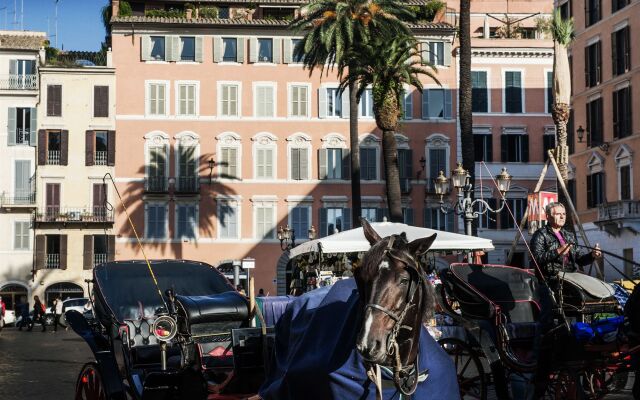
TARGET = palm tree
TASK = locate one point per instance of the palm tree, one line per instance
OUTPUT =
(465, 92)
(562, 32)
(387, 64)
(332, 28)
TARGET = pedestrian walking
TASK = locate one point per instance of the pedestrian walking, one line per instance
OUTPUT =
(22, 309)
(57, 309)
(38, 313)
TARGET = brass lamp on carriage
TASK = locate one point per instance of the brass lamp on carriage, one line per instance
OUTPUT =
(461, 181)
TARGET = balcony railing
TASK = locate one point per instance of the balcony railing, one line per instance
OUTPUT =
(52, 261)
(19, 198)
(156, 184)
(99, 258)
(619, 209)
(75, 215)
(101, 158)
(22, 136)
(53, 157)
(187, 184)
(19, 82)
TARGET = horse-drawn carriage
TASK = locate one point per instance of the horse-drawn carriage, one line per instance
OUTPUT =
(168, 329)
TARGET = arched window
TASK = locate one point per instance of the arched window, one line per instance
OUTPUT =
(187, 154)
(265, 156)
(299, 150)
(369, 156)
(437, 153)
(624, 165)
(333, 158)
(595, 181)
(229, 151)
(156, 162)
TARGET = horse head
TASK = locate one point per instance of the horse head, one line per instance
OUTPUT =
(396, 298)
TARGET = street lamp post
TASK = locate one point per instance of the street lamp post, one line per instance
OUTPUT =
(287, 236)
(464, 205)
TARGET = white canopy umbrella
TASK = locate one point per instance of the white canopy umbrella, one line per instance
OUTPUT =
(353, 240)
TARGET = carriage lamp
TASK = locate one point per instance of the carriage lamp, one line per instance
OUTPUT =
(287, 237)
(504, 181)
(312, 233)
(212, 164)
(164, 328)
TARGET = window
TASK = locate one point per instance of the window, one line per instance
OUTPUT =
(229, 100)
(54, 100)
(22, 74)
(621, 51)
(296, 59)
(157, 48)
(365, 107)
(373, 214)
(618, 5)
(265, 222)
(187, 99)
(368, 164)
(21, 126)
(228, 165)
(156, 98)
(102, 147)
(265, 50)
(333, 220)
(229, 49)
(223, 12)
(595, 189)
(21, 235)
(157, 169)
(592, 11)
(437, 159)
(228, 220)
(622, 113)
(300, 163)
(592, 64)
(333, 102)
(299, 101)
(549, 91)
(433, 103)
(23, 182)
(513, 92)
(480, 92)
(264, 163)
(334, 163)
(407, 215)
(186, 221)
(407, 107)
(54, 147)
(101, 249)
(54, 251)
(101, 101)
(565, 10)
(594, 122)
(156, 221)
(435, 219)
(488, 219)
(625, 182)
(300, 220)
(483, 146)
(517, 207)
(548, 143)
(100, 202)
(187, 48)
(264, 101)
(436, 53)
(52, 201)
(187, 180)
(514, 147)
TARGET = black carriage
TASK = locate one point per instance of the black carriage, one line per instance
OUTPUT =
(496, 312)
(168, 329)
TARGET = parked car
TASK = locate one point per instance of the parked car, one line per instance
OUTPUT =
(9, 318)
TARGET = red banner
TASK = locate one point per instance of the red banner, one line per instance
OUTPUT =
(536, 203)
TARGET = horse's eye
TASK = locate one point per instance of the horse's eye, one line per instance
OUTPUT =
(404, 280)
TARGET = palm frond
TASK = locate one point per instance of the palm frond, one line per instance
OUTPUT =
(562, 30)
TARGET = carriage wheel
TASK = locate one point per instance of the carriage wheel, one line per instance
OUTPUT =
(565, 385)
(89, 385)
(471, 377)
(602, 381)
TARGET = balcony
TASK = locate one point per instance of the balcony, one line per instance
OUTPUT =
(156, 184)
(101, 158)
(618, 216)
(53, 157)
(52, 261)
(19, 82)
(80, 215)
(187, 185)
(99, 259)
(19, 199)
(22, 136)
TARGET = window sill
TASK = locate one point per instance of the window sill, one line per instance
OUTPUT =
(264, 64)
(232, 63)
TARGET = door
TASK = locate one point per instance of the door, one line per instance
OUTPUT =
(22, 186)
(52, 201)
(99, 201)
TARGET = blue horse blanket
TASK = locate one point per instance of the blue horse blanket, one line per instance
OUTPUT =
(315, 355)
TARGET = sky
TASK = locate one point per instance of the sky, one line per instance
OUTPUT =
(79, 22)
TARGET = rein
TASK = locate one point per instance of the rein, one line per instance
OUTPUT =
(405, 377)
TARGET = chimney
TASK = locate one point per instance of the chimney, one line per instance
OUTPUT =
(115, 7)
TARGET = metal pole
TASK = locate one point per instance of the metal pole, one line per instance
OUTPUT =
(236, 273)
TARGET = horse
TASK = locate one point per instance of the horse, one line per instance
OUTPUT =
(340, 341)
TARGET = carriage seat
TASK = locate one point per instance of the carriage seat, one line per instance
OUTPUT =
(592, 286)
(227, 306)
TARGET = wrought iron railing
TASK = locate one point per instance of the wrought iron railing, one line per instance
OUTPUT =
(619, 209)
(101, 158)
(156, 184)
(99, 258)
(19, 82)
(22, 136)
(19, 198)
(187, 184)
(52, 261)
(53, 157)
(73, 215)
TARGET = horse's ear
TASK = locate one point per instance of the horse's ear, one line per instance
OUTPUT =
(369, 233)
(420, 246)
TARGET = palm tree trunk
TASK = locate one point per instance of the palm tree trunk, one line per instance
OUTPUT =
(465, 92)
(356, 201)
(390, 155)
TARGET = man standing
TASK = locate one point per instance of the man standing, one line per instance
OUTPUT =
(57, 309)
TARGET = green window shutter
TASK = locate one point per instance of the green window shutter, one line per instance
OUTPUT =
(33, 132)
(11, 127)
(322, 103)
(322, 164)
(199, 49)
(217, 49)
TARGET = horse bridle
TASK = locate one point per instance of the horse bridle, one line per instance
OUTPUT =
(402, 373)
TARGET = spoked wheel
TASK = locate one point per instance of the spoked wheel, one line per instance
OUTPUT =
(602, 381)
(90, 385)
(565, 385)
(471, 378)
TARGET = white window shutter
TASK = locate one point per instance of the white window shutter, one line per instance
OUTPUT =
(447, 54)
(253, 50)
(287, 51)
(11, 123)
(175, 48)
(33, 134)
(277, 50)
(240, 50)
(345, 104)
(168, 48)
(145, 48)
(304, 163)
(217, 49)
(425, 51)
(322, 103)
(199, 49)
(269, 163)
